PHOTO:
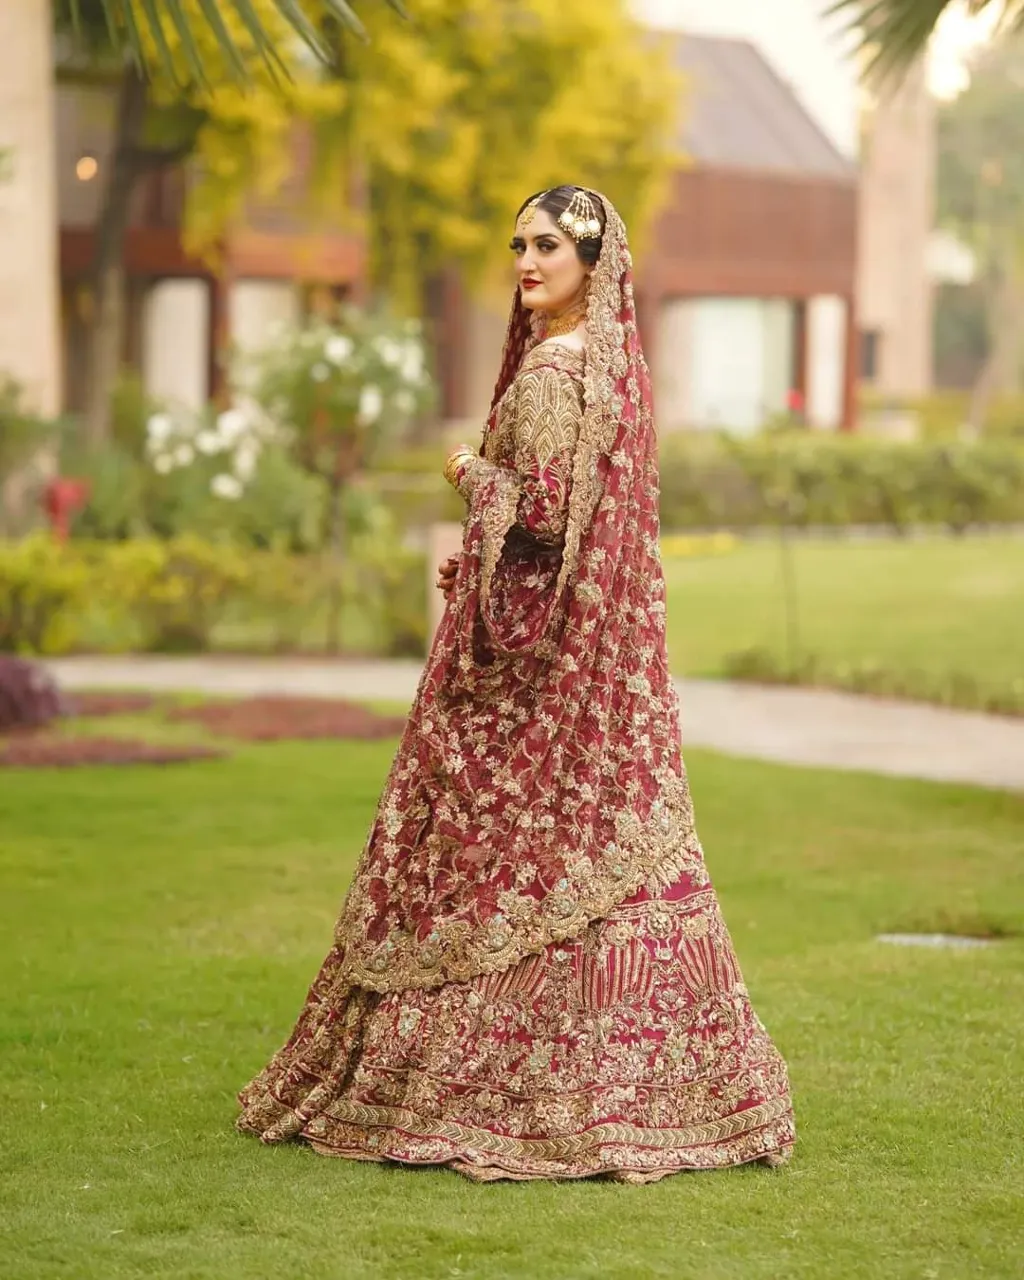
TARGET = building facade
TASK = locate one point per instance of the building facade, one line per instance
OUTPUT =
(746, 290)
(29, 350)
(897, 213)
(184, 315)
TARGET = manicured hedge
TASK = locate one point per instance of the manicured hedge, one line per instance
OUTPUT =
(813, 479)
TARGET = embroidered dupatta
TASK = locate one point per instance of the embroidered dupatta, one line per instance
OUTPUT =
(539, 780)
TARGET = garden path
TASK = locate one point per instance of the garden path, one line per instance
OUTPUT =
(792, 726)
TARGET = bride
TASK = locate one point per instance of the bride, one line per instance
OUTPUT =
(530, 976)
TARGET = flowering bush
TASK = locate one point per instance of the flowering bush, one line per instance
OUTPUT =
(228, 474)
(340, 390)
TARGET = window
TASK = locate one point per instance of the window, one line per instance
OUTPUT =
(870, 354)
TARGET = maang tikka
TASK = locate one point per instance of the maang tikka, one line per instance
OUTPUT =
(580, 218)
(530, 212)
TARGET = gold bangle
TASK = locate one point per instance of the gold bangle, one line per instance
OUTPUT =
(453, 467)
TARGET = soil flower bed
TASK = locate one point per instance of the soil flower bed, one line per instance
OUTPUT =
(44, 751)
(108, 704)
(278, 719)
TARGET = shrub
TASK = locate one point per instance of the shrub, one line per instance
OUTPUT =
(815, 479)
(172, 596)
(285, 591)
(868, 676)
(42, 585)
(116, 508)
(29, 697)
(25, 440)
(176, 591)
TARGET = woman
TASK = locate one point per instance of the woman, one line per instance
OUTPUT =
(530, 976)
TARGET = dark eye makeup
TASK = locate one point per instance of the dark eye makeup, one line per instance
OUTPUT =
(545, 245)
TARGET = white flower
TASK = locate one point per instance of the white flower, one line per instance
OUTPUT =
(370, 404)
(338, 348)
(163, 463)
(320, 372)
(389, 351)
(159, 427)
(412, 362)
(184, 454)
(225, 486)
(232, 424)
(209, 442)
(245, 459)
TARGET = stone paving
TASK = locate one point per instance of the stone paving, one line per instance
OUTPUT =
(792, 726)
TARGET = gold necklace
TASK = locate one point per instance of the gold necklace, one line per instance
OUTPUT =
(566, 321)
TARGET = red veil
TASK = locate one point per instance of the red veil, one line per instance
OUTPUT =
(539, 782)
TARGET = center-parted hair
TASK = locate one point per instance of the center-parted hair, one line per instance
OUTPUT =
(556, 201)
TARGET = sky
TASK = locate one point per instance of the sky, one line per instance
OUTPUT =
(957, 35)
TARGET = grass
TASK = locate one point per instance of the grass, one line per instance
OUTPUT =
(159, 928)
(935, 605)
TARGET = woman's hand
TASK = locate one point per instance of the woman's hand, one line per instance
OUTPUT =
(455, 462)
(446, 572)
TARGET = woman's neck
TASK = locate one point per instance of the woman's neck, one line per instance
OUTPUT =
(559, 323)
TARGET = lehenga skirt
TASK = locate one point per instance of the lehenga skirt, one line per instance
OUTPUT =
(630, 1051)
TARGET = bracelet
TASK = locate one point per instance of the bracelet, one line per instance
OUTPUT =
(453, 467)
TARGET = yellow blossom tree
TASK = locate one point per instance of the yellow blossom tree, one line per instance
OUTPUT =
(457, 117)
(444, 124)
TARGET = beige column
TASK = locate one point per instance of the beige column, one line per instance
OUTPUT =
(897, 216)
(29, 268)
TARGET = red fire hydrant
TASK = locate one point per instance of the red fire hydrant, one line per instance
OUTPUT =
(62, 497)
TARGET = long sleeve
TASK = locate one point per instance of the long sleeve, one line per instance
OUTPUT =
(547, 414)
(517, 514)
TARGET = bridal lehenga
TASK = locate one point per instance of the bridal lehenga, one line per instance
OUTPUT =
(530, 976)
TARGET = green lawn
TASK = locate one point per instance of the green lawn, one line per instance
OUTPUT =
(936, 605)
(159, 928)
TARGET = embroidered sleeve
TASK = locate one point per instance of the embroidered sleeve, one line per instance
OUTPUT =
(548, 412)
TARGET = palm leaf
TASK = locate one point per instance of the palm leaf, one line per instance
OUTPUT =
(894, 33)
(129, 24)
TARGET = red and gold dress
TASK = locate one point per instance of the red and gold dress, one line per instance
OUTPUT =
(531, 976)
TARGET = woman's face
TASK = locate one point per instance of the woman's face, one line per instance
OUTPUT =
(551, 275)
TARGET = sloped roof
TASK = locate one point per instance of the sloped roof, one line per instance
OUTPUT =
(739, 114)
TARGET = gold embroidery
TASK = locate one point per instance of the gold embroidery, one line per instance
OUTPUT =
(548, 416)
(569, 1148)
(537, 424)
(530, 948)
(661, 1074)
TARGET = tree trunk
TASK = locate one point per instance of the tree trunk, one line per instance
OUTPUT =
(348, 452)
(106, 334)
(336, 552)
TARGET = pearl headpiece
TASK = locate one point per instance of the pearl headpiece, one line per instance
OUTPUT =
(580, 218)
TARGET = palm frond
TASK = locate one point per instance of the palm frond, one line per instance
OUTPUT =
(129, 24)
(895, 33)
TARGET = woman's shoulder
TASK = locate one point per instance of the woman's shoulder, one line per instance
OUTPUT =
(557, 355)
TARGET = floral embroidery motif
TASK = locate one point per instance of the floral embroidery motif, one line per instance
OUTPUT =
(530, 976)
(631, 1050)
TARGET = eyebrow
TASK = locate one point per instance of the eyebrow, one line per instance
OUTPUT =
(542, 235)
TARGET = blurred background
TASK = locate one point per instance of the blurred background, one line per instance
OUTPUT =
(250, 294)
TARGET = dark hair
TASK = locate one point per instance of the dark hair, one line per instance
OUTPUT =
(556, 201)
